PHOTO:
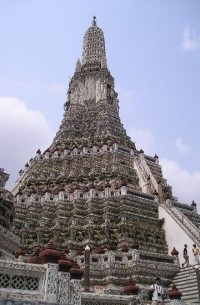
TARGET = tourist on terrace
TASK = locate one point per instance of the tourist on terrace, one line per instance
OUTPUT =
(185, 256)
(195, 251)
(158, 292)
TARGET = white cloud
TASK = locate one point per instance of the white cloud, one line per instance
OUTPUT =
(182, 148)
(185, 185)
(23, 131)
(190, 41)
(144, 139)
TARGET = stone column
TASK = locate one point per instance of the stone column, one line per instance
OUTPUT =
(64, 288)
(51, 283)
(39, 232)
(87, 269)
(76, 276)
(23, 235)
(76, 295)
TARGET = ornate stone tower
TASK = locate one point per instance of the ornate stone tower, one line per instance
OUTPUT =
(9, 242)
(6, 202)
(93, 187)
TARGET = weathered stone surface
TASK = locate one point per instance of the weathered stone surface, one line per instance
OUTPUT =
(22, 302)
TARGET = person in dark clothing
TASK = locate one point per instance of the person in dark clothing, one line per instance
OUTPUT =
(185, 256)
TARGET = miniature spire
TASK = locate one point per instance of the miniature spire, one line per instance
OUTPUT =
(103, 62)
(78, 65)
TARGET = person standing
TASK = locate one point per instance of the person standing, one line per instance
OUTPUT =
(158, 292)
(185, 256)
(195, 251)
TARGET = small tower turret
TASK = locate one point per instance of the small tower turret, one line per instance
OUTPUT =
(78, 66)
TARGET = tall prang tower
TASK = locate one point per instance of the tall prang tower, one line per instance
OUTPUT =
(93, 187)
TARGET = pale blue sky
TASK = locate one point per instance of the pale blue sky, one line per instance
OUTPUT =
(153, 52)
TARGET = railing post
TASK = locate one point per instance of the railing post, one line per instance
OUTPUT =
(64, 288)
(50, 289)
(76, 295)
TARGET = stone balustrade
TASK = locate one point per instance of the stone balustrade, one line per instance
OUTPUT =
(70, 196)
(37, 282)
(112, 264)
(108, 299)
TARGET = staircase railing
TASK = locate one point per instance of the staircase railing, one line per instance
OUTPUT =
(145, 171)
(187, 222)
(183, 222)
(180, 218)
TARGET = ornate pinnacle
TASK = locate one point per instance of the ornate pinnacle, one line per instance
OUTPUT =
(78, 66)
(94, 23)
(3, 177)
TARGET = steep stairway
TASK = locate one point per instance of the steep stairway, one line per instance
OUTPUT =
(186, 282)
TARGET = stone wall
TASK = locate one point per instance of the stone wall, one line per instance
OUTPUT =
(24, 302)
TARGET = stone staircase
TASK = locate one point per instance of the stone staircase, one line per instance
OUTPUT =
(186, 282)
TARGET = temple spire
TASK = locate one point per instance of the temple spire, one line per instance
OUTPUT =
(93, 45)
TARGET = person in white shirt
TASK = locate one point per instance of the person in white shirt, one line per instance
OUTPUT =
(158, 292)
(195, 251)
